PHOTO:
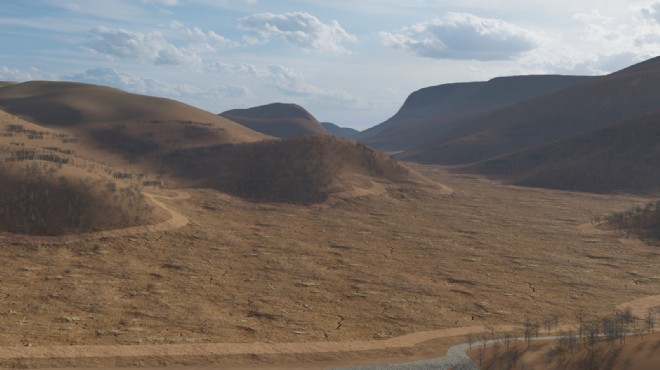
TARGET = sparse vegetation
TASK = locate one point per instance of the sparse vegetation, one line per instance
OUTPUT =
(643, 221)
(35, 201)
(298, 170)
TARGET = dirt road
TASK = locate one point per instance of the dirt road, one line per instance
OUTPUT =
(66, 353)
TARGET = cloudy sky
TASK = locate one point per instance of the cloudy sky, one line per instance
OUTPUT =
(347, 61)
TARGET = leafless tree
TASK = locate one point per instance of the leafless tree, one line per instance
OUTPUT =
(649, 322)
(470, 339)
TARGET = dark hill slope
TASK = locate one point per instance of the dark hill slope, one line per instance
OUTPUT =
(622, 95)
(620, 157)
(277, 119)
(335, 130)
(303, 170)
(431, 112)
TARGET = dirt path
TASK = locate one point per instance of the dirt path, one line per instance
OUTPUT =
(223, 349)
(175, 221)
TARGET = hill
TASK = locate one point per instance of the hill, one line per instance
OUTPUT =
(304, 170)
(49, 190)
(619, 157)
(145, 141)
(277, 119)
(345, 132)
(434, 111)
(127, 125)
(626, 94)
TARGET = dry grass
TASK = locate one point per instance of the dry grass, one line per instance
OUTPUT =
(638, 352)
(369, 267)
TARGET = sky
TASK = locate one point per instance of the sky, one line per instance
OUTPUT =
(349, 62)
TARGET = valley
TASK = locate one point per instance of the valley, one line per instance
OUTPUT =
(361, 268)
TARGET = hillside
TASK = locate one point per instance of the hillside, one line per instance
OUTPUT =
(303, 170)
(144, 140)
(626, 94)
(49, 190)
(277, 119)
(335, 130)
(620, 157)
(434, 111)
(127, 126)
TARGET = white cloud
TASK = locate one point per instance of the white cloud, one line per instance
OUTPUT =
(162, 2)
(286, 81)
(150, 86)
(151, 47)
(463, 36)
(209, 37)
(21, 75)
(652, 12)
(175, 25)
(132, 82)
(300, 29)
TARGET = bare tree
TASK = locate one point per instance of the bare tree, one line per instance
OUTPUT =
(484, 340)
(528, 328)
(508, 337)
(579, 316)
(470, 339)
(649, 322)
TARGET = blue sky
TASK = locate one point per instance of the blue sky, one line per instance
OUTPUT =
(349, 62)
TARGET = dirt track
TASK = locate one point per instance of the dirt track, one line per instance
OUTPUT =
(639, 306)
(175, 221)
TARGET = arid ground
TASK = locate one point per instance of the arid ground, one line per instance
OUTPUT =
(360, 268)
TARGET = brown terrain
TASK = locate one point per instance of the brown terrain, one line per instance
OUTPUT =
(185, 238)
(277, 119)
(637, 352)
(622, 95)
(622, 157)
(435, 111)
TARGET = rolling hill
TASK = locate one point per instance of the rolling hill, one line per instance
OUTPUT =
(48, 189)
(277, 119)
(335, 130)
(432, 112)
(306, 170)
(79, 155)
(129, 126)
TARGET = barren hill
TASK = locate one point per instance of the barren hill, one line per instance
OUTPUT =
(622, 95)
(277, 119)
(126, 125)
(434, 111)
(146, 140)
(335, 130)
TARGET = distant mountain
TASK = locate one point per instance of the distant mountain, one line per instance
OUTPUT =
(345, 132)
(596, 103)
(277, 119)
(432, 112)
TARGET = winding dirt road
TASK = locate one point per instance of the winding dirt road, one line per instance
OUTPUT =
(639, 306)
(175, 221)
